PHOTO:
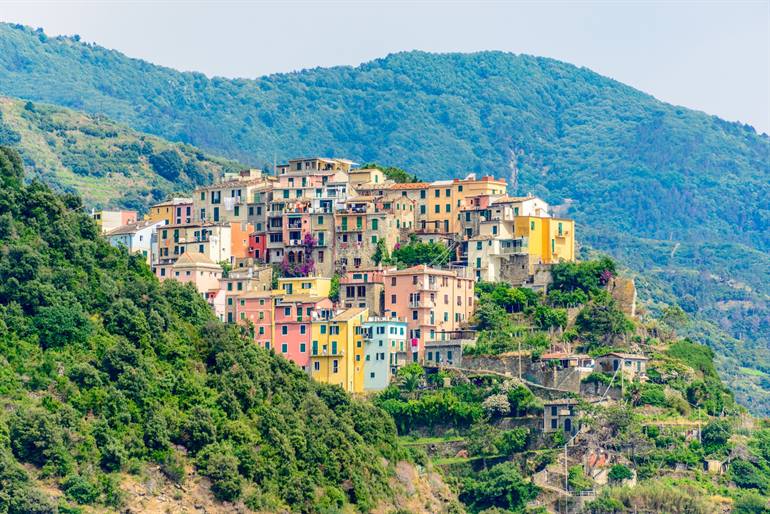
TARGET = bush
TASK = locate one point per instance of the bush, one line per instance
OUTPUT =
(501, 486)
(221, 466)
(619, 472)
(80, 489)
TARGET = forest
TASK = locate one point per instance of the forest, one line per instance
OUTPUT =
(104, 370)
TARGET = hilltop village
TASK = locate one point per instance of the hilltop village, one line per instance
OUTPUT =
(301, 258)
(464, 314)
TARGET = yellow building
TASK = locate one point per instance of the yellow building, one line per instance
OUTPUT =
(175, 211)
(438, 203)
(551, 240)
(337, 350)
(312, 286)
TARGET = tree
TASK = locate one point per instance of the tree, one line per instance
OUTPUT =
(716, 435)
(168, 164)
(547, 318)
(619, 472)
(601, 320)
(501, 486)
(334, 289)
(380, 253)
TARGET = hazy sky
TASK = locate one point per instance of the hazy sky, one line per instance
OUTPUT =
(707, 55)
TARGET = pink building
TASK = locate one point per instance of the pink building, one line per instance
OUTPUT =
(433, 302)
(257, 308)
(198, 269)
(293, 317)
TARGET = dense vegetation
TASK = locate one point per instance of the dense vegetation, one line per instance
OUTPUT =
(108, 164)
(511, 318)
(680, 196)
(102, 369)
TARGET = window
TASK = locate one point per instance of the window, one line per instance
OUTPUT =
(236, 210)
(323, 329)
(287, 311)
(284, 348)
(203, 195)
(437, 209)
(371, 375)
(430, 356)
(302, 329)
(554, 423)
(422, 209)
(437, 193)
(422, 194)
(284, 330)
(414, 315)
(393, 299)
(314, 347)
(335, 366)
(494, 229)
(553, 410)
(532, 225)
(216, 213)
(448, 208)
(317, 366)
(261, 330)
(375, 224)
(302, 347)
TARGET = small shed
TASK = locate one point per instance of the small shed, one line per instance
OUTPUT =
(633, 365)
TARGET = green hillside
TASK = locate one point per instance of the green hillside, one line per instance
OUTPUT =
(680, 196)
(104, 370)
(107, 163)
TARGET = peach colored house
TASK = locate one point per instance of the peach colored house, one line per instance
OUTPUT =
(293, 317)
(198, 269)
(433, 302)
(257, 308)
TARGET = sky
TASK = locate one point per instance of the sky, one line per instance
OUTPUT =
(712, 56)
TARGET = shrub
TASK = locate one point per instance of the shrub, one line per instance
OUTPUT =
(80, 489)
(619, 472)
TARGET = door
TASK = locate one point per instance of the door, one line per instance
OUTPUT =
(568, 425)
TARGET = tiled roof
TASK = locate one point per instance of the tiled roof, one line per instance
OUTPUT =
(349, 314)
(195, 259)
(622, 355)
(410, 185)
(132, 228)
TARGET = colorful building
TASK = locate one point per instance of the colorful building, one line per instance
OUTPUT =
(364, 288)
(386, 349)
(433, 301)
(136, 237)
(197, 269)
(293, 317)
(175, 211)
(312, 286)
(107, 221)
(337, 350)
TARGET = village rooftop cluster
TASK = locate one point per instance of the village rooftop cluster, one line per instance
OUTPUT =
(317, 217)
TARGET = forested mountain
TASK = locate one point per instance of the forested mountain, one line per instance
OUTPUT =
(107, 163)
(682, 197)
(103, 369)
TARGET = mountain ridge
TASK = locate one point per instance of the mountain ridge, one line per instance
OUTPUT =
(662, 186)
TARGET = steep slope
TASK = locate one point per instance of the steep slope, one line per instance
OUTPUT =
(107, 163)
(103, 370)
(681, 196)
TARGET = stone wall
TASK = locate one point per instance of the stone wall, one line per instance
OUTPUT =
(623, 290)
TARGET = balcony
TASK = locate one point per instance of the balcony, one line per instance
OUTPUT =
(295, 242)
(422, 304)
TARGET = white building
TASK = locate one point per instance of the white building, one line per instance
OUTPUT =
(136, 237)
